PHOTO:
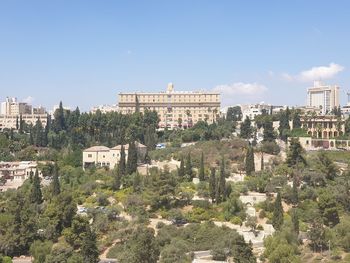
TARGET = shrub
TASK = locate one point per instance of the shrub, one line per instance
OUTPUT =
(236, 220)
(262, 214)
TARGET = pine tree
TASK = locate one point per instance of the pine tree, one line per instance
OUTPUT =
(36, 195)
(201, 169)
(188, 168)
(56, 189)
(246, 129)
(249, 161)
(122, 162)
(295, 221)
(89, 250)
(131, 165)
(295, 153)
(277, 218)
(181, 170)
(212, 184)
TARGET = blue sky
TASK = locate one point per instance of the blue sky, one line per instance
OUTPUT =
(84, 52)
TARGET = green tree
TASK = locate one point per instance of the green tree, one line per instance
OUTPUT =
(36, 195)
(140, 247)
(295, 221)
(249, 161)
(329, 208)
(296, 120)
(262, 161)
(131, 165)
(122, 162)
(220, 196)
(295, 195)
(181, 170)
(246, 129)
(327, 166)
(212, 184)
(201, 169)
(60, 123)
(277, 217)
(39, 250)
(89, 250)
(56, 188)
(137, 183)
(116, 178)
(284, 124)
(295, 153)
(317, 235)
(188, 168)
(268, 133)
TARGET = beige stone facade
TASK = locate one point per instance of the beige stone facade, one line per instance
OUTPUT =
(324, 126)
(10, 121)
(102, 156)
(175, 108)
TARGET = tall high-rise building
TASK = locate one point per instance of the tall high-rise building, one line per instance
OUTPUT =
(324, 97)
(175, 108)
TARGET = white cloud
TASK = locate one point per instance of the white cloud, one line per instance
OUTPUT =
(28, 99)
(315, 73)
(240, 88)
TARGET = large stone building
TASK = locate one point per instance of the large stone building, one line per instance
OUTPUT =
(175, 108)
(12, 111)
(324, 97)
(327, 126)
(102, 156)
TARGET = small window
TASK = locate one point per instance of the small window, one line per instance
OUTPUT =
(89, 155)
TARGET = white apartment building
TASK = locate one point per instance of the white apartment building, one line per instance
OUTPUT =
(175, 108)
(104, 108)
(18, 170)
(324, 97)
(253, 110)
(102, 156)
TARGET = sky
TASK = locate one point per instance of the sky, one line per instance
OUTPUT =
(84, 52)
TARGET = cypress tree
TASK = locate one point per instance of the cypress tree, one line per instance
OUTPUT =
(295, 221)
(212, 184)
(181, 170)
(38, 129)
(296, 121)
(249, 161)
(277, 218)
(36, 195)
(117, 178)
(246, 129)
(188, 168)
(262, 162)
(201, 169)
(295, 197)
(17, 123)
(89, 250)
(31, 139)
(56, 189)
(131, 165)
(20, 124)
(122, 161)
(217, 191)
(222, 181)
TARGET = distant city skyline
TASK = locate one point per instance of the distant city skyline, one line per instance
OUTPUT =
(84, 53)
